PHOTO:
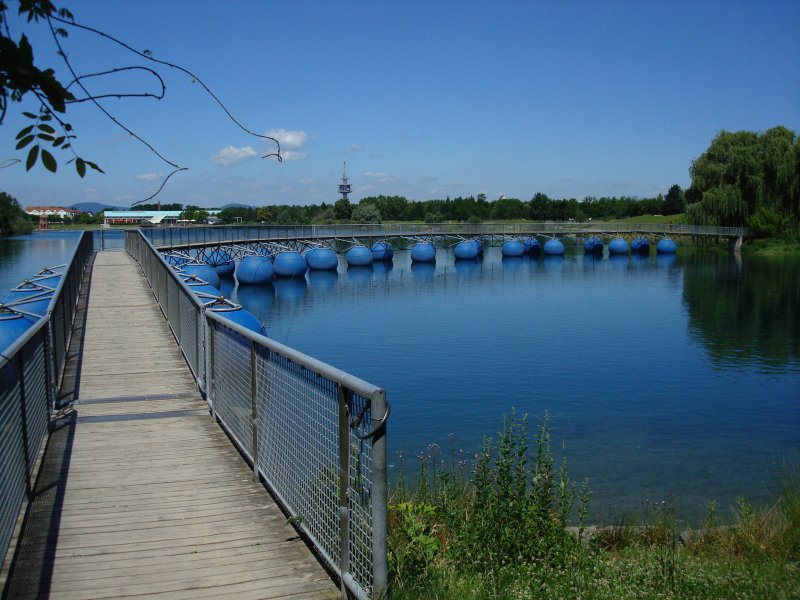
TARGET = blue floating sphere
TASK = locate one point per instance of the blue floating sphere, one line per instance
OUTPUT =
(244, 318)
(12, 326)
(204, 272)
(255, 270)
(382, 251)
(33, 297)
(359, 256)
(321, 259)
(532, 246)
(513, 248)
(467, 249)
(554, 247)
(423, 252)
(290, 264)
(666, 246)
(221, 261)
(640, 245)
(618, 246)
(593, 245)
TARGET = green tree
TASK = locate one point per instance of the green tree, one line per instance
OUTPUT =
(264, 214)
(342, 209)
(673, 202)
(744, 174)
(13, 220)
(366, 213)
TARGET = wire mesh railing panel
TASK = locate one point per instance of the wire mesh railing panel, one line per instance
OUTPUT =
(12, 457)
(191, 340)
(359, 491)
(34, 368)
(298, 445)
(232, 381)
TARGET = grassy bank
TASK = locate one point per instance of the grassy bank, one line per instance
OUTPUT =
(772, 247)
(508, 523)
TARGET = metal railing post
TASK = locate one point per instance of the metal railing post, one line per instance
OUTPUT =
(380, 499)
(254, 408)
(344, 482)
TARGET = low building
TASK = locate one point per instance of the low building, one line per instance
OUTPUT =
(52, 211)
(141, 217)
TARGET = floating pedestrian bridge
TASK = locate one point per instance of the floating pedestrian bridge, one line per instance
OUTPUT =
(241, 240)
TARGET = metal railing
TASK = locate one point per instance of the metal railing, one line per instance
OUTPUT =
(315, 434)
(175, 237)
(31, 369)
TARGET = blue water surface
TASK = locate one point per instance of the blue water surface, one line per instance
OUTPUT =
(643, 399)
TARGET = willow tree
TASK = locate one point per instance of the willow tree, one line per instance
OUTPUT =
(745, 178)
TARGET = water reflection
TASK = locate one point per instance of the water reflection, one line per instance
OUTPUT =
(554, 263)
(666, 260)
(323, 281)
(258, 299)
(513, 264)
(360, 276)
(290, 290)
(382, 268)
(423, 270)
(745, 312)
(618, 261)
(467, 267)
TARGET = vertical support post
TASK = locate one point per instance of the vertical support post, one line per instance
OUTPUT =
(209, 328)
(344, 483)
(254, 407)
(380, 569)
(23, 407)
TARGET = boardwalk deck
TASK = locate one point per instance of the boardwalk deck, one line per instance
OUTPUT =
(140, 493)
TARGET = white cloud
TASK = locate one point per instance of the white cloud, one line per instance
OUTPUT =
(230, 154)
(356, 148)
(289, 140)
(292, 155)
(308, 181)
(379, 177)
(149, 176)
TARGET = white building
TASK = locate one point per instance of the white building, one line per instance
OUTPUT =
(56, 211)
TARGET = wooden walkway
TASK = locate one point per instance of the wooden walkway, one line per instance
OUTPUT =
(140, 492)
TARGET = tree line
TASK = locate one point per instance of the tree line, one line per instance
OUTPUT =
(470, 209)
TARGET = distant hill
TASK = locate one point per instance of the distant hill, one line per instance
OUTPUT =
(236, 205)
(92, 207)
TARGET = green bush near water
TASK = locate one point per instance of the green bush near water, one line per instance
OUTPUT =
(500, 529)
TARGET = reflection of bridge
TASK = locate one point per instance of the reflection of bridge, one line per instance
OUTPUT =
(342, 237)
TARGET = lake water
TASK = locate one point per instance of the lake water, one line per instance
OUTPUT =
(662, 375)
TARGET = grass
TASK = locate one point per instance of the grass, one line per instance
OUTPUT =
(508, 522)
(772, 247)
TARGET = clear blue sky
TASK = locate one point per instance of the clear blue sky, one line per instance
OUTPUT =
(422, 99)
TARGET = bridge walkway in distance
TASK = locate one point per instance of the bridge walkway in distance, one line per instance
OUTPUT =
(140, 492)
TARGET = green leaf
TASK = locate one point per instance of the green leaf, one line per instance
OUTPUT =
(94, 166)
(58, 141)
(46, 137)
(46, 128)
(25, 132)
(49, 161)
(32, 156)
(30, 115)
(45, 117)
(65, 146)
(80, 166)
(24, 142)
